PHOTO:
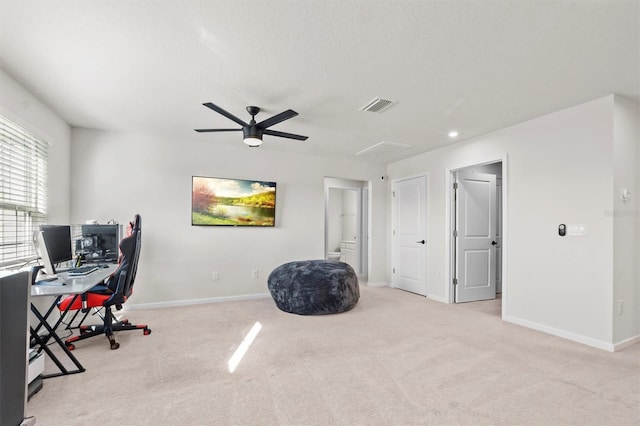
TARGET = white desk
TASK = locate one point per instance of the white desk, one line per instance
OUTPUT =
(76, 285)
(73, 285)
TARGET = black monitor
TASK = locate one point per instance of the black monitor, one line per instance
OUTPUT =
(57, 240)
(99, 243)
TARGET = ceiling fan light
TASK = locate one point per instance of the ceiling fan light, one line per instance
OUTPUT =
(252, 141)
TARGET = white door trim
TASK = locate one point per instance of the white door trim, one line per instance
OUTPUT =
(450, 220)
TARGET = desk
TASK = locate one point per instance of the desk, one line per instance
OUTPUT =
(76, 285)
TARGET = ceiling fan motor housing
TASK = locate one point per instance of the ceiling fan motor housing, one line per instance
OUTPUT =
(252, 131)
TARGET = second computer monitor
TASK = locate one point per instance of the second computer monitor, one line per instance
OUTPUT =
(99, 243)
(57, 244)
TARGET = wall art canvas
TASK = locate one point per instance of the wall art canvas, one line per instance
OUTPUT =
(232, 202)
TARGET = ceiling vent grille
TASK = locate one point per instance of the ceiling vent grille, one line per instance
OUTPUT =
(377, 105)
(384, 149)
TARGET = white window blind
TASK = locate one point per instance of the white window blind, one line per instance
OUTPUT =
(23, 191)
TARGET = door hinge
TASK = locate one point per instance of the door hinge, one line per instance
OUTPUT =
(455, 232)
(455, 185)
(393, 193)
(455, 281)
(394, 270)
(394, 232)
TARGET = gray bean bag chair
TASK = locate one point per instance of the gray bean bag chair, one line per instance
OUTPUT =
(314, 287)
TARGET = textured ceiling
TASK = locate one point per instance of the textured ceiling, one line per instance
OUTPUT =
(476, 66)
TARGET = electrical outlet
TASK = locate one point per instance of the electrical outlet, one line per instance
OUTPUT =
(254, 273)
(215, 276)
(620, 306)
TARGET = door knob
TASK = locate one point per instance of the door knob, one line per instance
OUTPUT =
(493, 243)
(420, 242)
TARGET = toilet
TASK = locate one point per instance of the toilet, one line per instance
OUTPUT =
(333, 255)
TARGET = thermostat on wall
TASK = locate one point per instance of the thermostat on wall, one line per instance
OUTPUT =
(572, 230)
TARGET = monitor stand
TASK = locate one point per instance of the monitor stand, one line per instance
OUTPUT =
(46, 277)
(38, 274)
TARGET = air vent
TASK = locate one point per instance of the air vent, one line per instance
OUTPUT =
(377, 105)
(383, 149)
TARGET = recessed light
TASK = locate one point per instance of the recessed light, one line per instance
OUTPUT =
(454, 134)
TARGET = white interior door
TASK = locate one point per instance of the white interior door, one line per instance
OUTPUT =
(476, 219)
(409, 236)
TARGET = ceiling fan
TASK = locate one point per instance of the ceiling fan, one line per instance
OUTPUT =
(253, 131)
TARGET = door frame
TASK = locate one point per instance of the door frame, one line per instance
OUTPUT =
(362, 247)
(394, 251)
(450, 223)
(364, 231)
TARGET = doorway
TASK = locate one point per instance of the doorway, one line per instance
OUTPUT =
(346, 222)
(477, 232)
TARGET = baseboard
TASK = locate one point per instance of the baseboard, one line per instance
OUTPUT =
(379, 284)
(437, 298)
(626, 343)
(561, 333)
(189, 302)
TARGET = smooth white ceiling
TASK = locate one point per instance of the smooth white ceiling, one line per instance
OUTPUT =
(476, 66)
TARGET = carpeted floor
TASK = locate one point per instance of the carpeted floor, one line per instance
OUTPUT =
(395, 359)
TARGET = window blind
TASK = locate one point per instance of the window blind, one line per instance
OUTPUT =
(23, 191)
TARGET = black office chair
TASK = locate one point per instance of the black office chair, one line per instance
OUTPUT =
(117, 288)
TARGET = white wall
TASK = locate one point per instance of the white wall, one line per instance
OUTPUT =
(560, 169)
(22, 107)
(334, 219)
(492, 169)
(115, 175)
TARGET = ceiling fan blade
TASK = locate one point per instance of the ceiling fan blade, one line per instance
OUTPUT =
(285, 135)
(230, 116)
(216, 130)
(278, 118)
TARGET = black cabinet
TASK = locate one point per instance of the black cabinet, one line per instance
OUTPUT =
(15, 289)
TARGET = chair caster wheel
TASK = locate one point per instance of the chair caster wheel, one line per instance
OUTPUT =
(146, 331)
(70, 346)
(112, 342)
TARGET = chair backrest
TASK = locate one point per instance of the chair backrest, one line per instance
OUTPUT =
(122, 279)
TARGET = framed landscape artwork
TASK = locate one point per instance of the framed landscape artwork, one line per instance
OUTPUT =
(232, 202)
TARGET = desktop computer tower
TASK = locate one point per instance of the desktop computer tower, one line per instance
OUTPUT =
(15, 290)
(97, 243)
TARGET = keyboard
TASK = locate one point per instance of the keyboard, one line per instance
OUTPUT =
(82, 270)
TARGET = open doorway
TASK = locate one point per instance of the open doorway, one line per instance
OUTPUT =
(477, 237)
(346, 224)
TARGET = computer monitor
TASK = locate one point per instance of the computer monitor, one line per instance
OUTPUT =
(99, 243)
(43, 256)
(54, 246)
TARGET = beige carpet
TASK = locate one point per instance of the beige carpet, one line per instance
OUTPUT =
(395, 359)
